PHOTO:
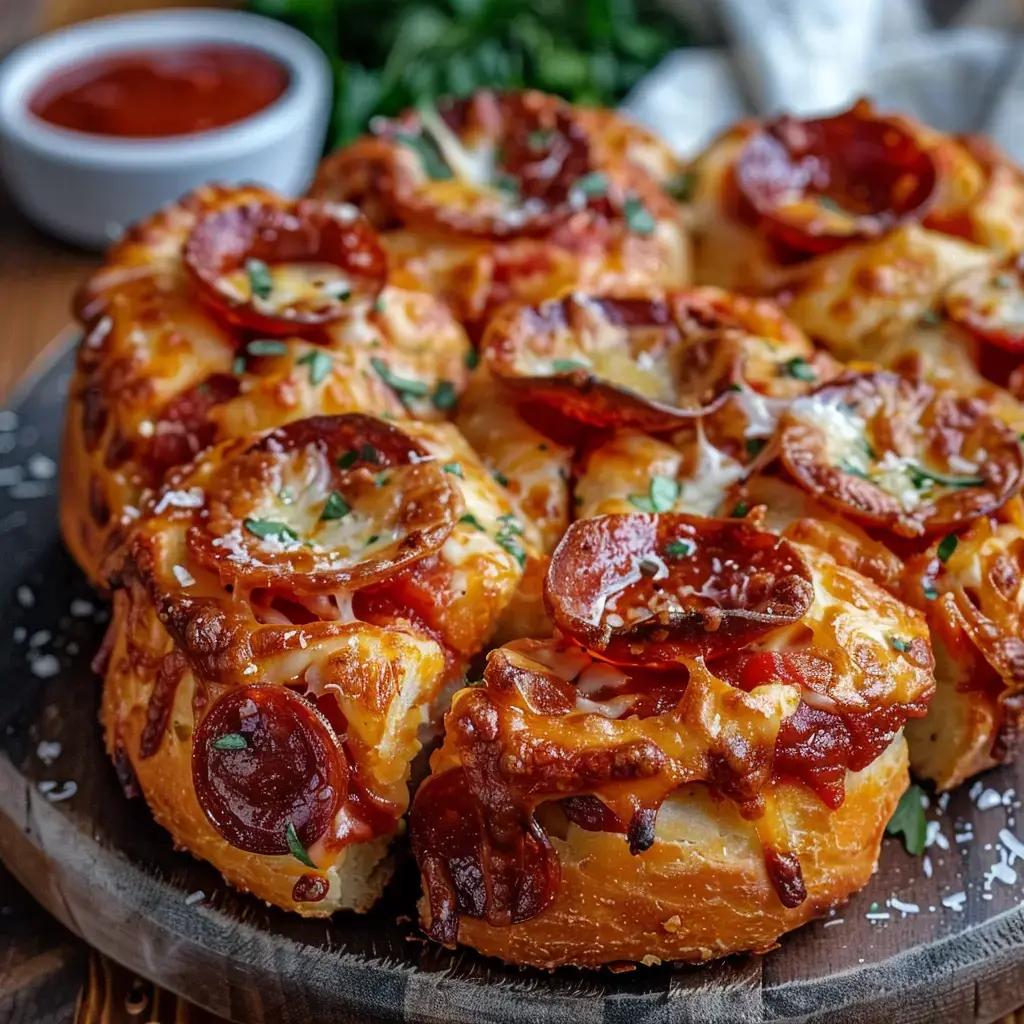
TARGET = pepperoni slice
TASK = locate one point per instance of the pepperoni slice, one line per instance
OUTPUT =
(279, 268)
(649, 364)
(648, 589)
(470, 866)
(900, 454)
(268, 769)
(813, 186)
(184, 428)
(988, 304)
(324, 503)
(490, 166)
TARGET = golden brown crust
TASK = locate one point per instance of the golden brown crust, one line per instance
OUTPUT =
(164, 372)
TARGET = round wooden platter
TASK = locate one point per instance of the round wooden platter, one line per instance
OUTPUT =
(99, 864)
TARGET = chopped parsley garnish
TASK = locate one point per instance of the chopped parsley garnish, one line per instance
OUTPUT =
(661, 496)
(337, 289)
(638, 217)
(348, 460)
(320, 365)
(238, 366)
(682, 186)
(230, 741)
(898, 644)
(848, 467)
(378, 304)
(405, 388)
(380, 480)
(270, 529)
(594, 184)
(567, 365)
(755, 445)
(828, 203)
(444, 396)
(928, 588)
(923, 477)
(800, 369)
(430, 156)
(947, 546)
(499, 477)
(261, 284)
(266, 347)
(909, 821)
(739, 510)
(472, 359)
(372, 539)
(540, 139)
(471, 520)
(680, 548)
(336, 507)
(511, 529)
(455, 468)
(507, 183)
(298, 851)
(931, 318)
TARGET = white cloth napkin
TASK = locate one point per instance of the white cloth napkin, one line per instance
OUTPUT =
(811, 56)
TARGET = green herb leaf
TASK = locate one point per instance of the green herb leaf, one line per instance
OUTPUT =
(266, 347)
(828, 203)
(931, 318)
(320, 365)
(739, 510)
(379, 304)
(512, 546)
(848, 467)
(507, 183)
(298, 851)
(593, 185)
(922, 477)
(471, 520)
(947, 546)
(909, 821)
(405, 388)
(261, 284)
(898, 644)
(800, 369)
(682, 186)
(499, 477)
(348, 460)
(444, 396)
(928, 588)
(511, 524)
(755, 445)
(434, 165)
(454, 468)
(230, 741)
(661, 496)
(336, 507)
(680, 548)
(270, 529)
(638, 217)
(567, 365)
(472, 359)
(238, 366)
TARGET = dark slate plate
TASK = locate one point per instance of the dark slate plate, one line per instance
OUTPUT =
(100, 865)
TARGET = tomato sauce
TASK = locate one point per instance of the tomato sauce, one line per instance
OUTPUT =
(159, 93)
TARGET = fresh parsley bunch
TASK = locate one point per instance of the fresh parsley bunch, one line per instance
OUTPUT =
(391, 54)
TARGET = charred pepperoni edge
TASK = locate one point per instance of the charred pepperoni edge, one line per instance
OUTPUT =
(963, 299)
(596, 556)
(857, 147)
(161, 701)
(597, 401)
(311, 802)
(300, 232)
(816, 746)
(438, 506)
(497, 867)
(902, 405)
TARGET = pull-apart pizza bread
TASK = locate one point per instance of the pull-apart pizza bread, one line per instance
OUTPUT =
(858, 220)
(233, 311)
(289, 608)
(704, 757)
(515, 196)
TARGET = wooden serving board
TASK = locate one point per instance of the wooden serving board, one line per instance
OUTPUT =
(98, 863)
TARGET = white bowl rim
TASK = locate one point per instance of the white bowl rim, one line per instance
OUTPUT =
(24, 70)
